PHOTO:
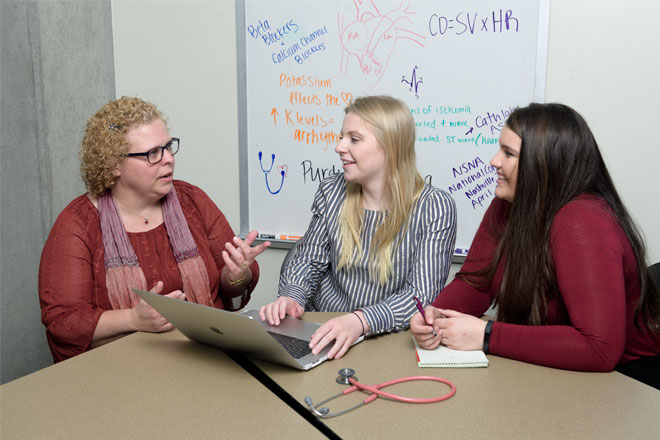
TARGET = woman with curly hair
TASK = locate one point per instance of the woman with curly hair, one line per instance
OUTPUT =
(139, 228)
(559, 254)
(378, 237)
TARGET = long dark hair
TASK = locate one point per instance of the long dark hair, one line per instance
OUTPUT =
(559, 160)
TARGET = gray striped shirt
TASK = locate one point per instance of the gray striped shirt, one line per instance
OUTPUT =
(421, 262)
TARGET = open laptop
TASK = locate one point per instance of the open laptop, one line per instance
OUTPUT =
(245, 332)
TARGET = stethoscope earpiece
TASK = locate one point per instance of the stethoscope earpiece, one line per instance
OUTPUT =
(321, 412)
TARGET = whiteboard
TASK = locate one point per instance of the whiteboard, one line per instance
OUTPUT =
(461, 66)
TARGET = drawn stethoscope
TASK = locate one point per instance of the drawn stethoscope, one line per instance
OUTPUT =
(266, 172)
(346, 377)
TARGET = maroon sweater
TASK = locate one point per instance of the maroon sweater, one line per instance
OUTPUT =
(72, 289)
(592, 327)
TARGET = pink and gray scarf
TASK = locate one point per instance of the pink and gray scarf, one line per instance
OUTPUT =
(122, 269)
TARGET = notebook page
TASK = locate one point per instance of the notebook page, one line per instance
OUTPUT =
(445, 357)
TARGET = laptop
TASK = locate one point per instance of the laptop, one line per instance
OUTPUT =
(245, 332)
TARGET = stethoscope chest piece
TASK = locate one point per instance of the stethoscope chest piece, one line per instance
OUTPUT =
(344, 375)
(347, 377)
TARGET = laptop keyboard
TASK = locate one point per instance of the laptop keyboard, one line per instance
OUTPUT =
(297, 348)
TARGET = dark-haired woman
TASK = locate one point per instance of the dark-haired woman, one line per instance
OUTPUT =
(559, 255)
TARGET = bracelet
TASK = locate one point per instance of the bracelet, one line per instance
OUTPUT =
(487, 330)
(359, 319)
(238, 281)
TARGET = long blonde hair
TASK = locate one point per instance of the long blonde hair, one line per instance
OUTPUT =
(390, 121)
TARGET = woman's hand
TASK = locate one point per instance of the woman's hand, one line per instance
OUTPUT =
(240, 255)
(455, 330)
(423, 330)
(460, 331)
(344, 330)
(144, 318)
(278, 309)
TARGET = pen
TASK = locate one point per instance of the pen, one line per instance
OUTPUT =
(418, 303)
(267, 236)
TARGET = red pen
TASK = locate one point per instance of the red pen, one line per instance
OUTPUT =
(418, 303)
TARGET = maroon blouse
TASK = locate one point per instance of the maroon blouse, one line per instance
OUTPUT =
(72, 289)
(592, 327)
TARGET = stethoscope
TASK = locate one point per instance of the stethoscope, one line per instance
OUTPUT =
(267, 171)
(346, 377)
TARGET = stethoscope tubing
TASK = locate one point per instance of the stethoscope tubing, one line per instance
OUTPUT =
(376, 390)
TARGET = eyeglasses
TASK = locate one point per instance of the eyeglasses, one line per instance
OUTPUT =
(155, 155)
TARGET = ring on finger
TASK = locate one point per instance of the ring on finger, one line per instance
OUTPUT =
(243, 264)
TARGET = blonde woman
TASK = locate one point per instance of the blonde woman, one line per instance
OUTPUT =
(378, 235)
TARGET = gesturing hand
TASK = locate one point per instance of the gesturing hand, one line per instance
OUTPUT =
(240, 254)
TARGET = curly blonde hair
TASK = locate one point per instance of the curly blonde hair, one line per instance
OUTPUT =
(104, 141)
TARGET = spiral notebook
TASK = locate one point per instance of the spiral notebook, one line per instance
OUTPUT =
(445, 357)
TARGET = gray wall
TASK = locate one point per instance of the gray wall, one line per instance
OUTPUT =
(57, 70)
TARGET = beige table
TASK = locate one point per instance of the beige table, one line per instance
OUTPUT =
(146, 386)
(507, 400)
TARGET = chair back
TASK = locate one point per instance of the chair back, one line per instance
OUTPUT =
(288, 257)
(654, 271)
